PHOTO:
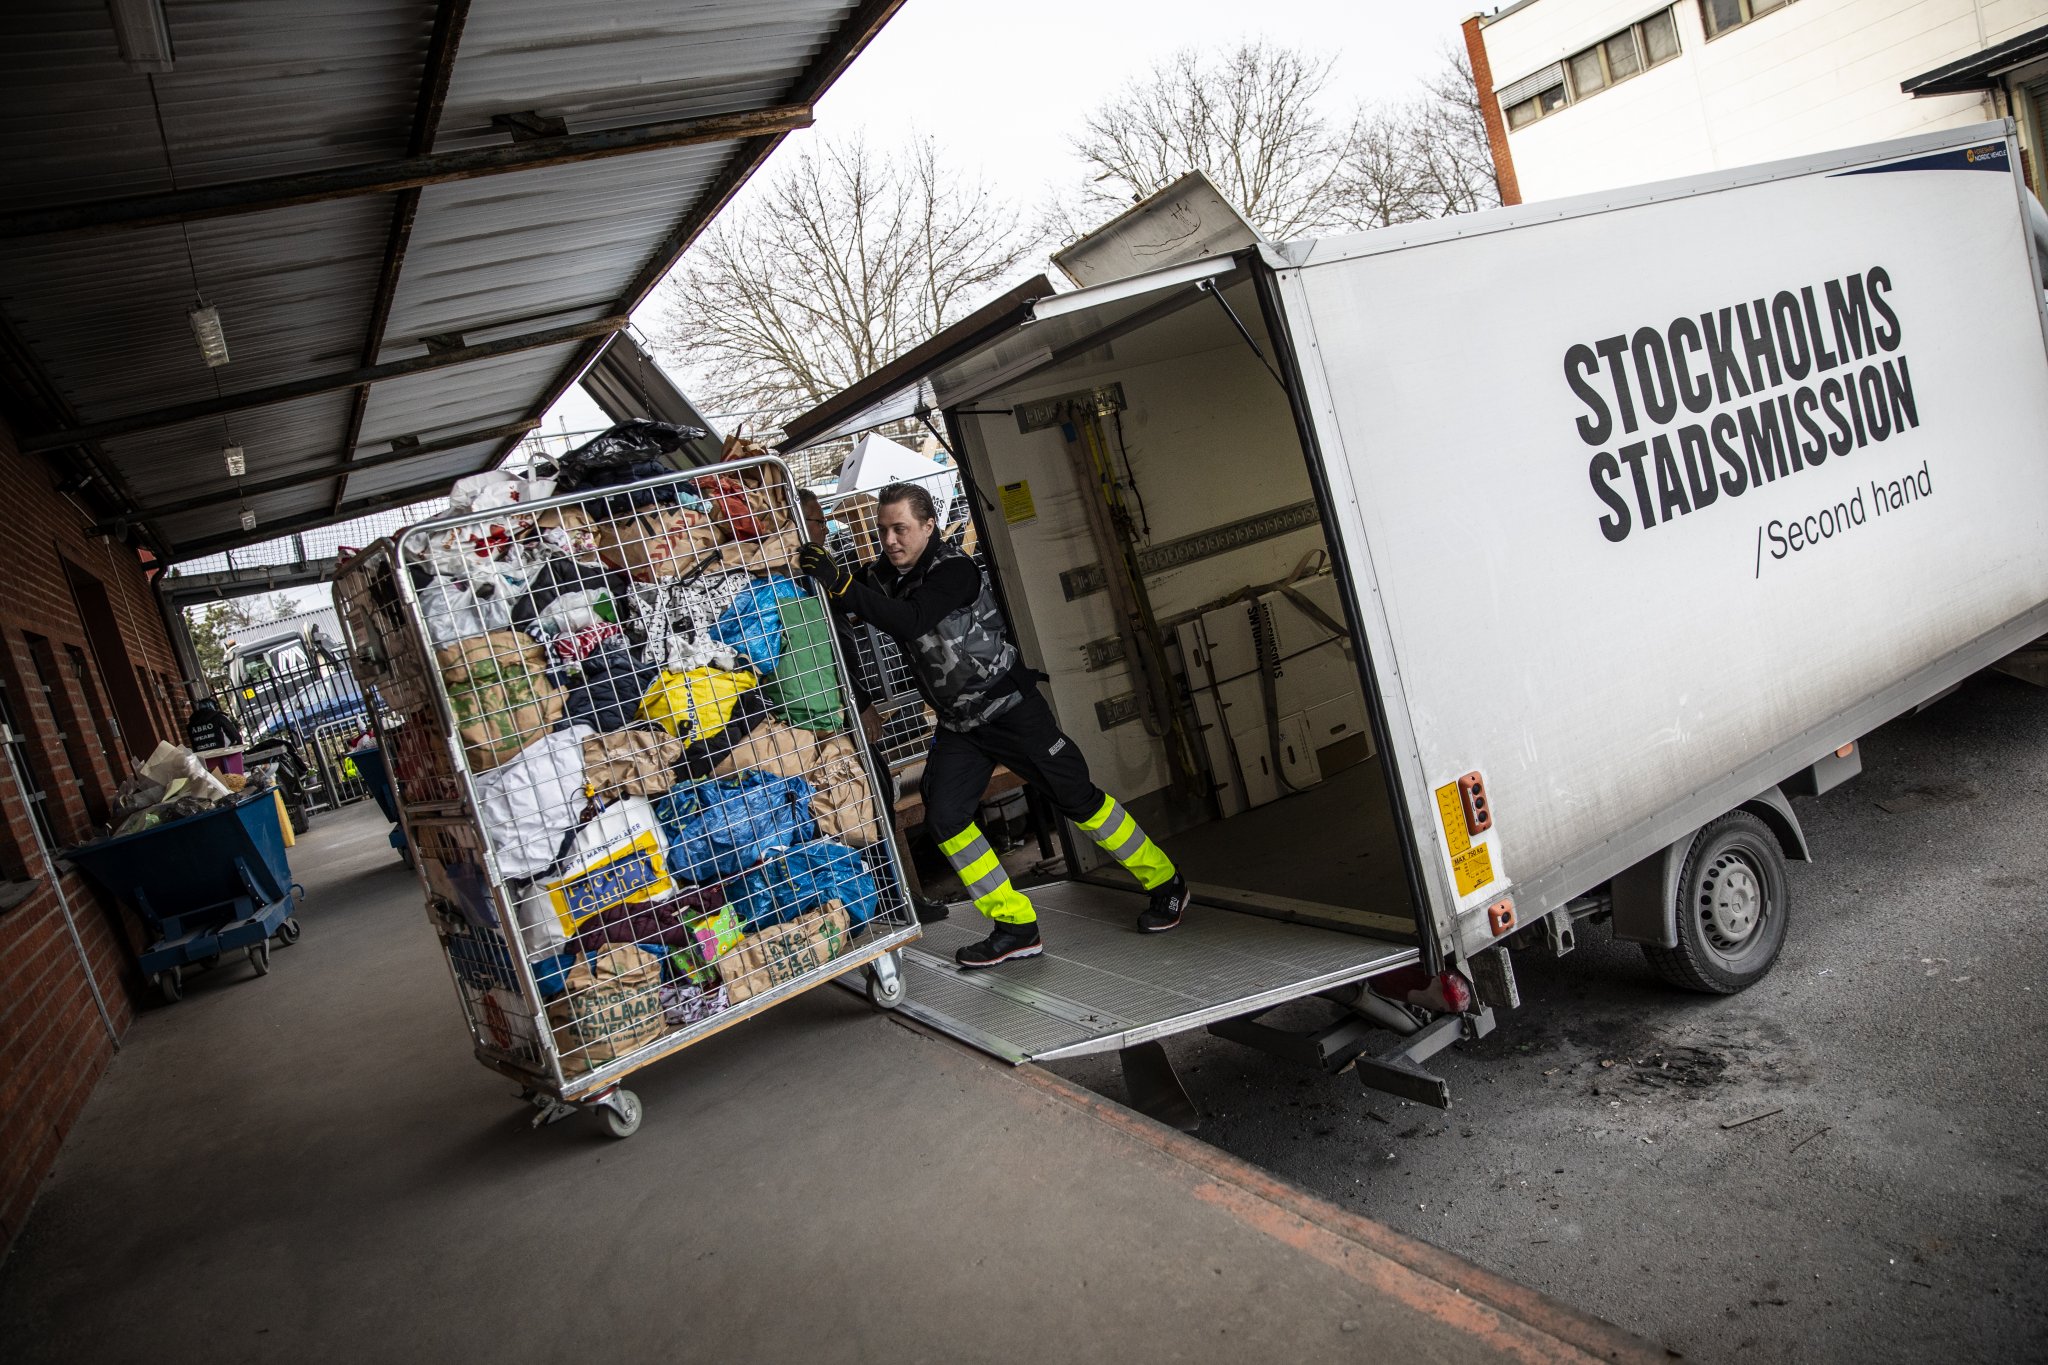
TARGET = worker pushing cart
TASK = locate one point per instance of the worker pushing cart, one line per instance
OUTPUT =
(934, 601)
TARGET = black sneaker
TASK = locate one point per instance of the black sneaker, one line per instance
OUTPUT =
(929, 911)
(1007, 942)
(1164, 911)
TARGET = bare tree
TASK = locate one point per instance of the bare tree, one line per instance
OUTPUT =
(839, 263)
(1247, 118)
(1450, 160)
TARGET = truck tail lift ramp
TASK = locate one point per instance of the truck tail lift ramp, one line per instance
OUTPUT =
(1098, 987)
(1420, 599)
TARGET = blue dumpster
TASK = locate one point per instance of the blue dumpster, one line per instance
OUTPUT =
(377, 777)
(204, 885)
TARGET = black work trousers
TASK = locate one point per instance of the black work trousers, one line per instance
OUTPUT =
(1026, 740)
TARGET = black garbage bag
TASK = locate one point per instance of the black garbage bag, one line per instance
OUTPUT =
(627, 453)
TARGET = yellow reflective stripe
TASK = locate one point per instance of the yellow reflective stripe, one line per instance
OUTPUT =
(1007, 905)
(1150, 866)
(959, 841)
(1095, 821)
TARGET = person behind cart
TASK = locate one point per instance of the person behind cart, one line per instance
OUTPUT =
(209, 727)
(928, 911)
(933, 600)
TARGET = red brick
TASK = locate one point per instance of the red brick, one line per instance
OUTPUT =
(50, 1030)
(1489, 109)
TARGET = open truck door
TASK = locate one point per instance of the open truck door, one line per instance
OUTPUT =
(1196, 632)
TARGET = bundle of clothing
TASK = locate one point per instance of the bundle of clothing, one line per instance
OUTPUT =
(657, 733)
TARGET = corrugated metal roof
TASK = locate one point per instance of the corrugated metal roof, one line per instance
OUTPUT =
(264, 88)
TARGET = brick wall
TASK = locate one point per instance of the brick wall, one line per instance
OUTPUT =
(1489, 108)
(53, 1046)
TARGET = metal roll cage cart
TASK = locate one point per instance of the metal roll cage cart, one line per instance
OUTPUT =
(593, 707)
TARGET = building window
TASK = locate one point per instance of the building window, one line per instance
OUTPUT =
(34, 786)
(1615, 58)
(46, 679)
(1721, 15)
(1531, 97)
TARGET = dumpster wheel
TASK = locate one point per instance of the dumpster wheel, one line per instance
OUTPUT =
(259, 956)
(288, 932)
(170, 983)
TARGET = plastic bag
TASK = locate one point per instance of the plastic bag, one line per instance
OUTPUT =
(694, 705)
(753, 626)
(619, 858)
(805, 688)
(627, 453)
(528, 804)
(802, 879)
(169, 762)
(722, 828)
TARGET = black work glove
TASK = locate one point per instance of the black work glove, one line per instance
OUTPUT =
(829, 574)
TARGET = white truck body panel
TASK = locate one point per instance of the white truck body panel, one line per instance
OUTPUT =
(1612, 689)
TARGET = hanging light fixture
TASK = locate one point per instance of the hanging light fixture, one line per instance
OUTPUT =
(237, 465)
(248, 520)
(206, 330)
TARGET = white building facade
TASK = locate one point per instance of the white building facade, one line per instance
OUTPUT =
(1586, 95)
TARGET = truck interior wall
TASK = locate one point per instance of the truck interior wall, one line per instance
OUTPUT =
(1210, 440)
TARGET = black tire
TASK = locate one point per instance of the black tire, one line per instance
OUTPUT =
(288, 931)
(1732, 909)
(302, 819)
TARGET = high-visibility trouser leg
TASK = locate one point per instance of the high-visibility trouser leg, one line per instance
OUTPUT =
(986, 881)
(1116, 831)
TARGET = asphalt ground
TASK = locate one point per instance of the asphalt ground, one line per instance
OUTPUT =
(1841, 1164)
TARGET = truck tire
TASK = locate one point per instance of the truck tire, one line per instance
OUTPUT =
(1732, 908)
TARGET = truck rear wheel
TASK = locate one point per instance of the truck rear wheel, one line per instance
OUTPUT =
(1731, 909)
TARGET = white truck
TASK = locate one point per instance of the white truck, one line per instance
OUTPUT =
(1458, 582)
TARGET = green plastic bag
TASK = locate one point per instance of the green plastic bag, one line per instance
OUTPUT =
(805, 686)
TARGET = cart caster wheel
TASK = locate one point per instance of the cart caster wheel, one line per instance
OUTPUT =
(288, 932)
(209, 962)
(171, 984)
(886, 988)
(622, 1114)
(259, 957)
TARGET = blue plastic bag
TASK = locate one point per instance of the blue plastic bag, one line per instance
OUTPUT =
(720, 829)
(752, 625)
(804, 878)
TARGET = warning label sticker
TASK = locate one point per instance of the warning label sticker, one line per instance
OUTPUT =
(1473, 867)
(1456, 837)
(1017, 505)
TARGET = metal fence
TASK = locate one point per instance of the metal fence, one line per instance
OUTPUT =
(318, 709)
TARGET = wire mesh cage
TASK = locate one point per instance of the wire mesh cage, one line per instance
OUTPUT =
(619, 731)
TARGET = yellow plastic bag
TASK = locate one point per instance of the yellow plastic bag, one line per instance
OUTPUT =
(694, 706)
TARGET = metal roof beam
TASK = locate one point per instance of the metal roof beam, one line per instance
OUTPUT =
(318, 384)
(426, 121)
(284, 191)
(853, 35)
(361, 507)
(284, 482)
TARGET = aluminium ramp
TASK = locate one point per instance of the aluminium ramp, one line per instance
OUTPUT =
(1101, 986)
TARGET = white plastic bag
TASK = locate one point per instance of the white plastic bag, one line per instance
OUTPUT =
(528, 802)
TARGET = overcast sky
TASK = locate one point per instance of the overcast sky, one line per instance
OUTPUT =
(1002, 87)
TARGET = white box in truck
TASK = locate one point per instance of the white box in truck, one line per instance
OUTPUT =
(1639, 511)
